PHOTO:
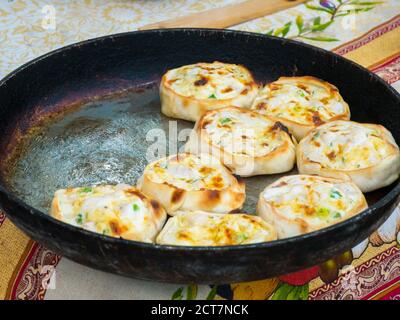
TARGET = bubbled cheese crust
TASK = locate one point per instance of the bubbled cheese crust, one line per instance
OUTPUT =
(364, 153)
(299, 204)
(116, 211)
(200, 228)
(192, 182)
(245, 141)
(301, 103)
(189, 91)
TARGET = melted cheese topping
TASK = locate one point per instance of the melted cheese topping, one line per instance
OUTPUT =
(244, 132)
(346, 145)
(210, 80)
(207, 229)
(302, 102)
(109, 210)
(313, 199)
(189, 172)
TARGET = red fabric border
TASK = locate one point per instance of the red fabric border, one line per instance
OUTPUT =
(369, 36)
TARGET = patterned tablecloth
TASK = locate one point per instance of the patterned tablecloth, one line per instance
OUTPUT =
(366, 31)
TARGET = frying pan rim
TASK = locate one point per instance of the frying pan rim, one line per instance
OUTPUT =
(390, 196)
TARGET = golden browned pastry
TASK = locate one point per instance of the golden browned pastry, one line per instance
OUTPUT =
(199, 228)
(364, 153)
(301, 103)
(192, 182)
(189, 91)
(116, 211)
(300, 204)
(245, 141)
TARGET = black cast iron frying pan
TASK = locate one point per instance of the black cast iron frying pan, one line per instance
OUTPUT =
(102, 97)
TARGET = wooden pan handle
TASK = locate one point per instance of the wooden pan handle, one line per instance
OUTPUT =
(226, 16)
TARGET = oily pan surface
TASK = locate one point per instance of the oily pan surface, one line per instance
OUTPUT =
(106, 142)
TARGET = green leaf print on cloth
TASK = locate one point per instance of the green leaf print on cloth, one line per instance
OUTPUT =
(331, 10)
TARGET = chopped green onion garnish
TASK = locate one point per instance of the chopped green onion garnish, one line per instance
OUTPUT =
(241, 237)
(300, 93)
(86, 189)
(79, 218)
(135, 207)
(335, 194)
(323, 212)
(337, 215)
(212, 96)
(224, 120)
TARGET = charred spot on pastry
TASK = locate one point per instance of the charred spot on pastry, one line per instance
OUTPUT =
(280, 126)
(228, 234)
(303, 87)
(213, 195)
(309, 211)
(115, 227)
(211, 199)
(275, 86)
(217, 182)
(226, 90)
(331, 155)
(183, 236)
(302, 224)
(177, 195)
(201, 82)
(136, 193)
(235, 211)
(317, 119)
(156, 206)
(316, 143)
(262, 106)
(281, 184)
(205, 123)
(325, 100)
(206, 170)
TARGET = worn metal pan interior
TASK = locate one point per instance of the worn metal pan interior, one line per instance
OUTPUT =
(80, 115)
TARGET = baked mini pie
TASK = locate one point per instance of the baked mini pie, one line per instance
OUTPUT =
(187, 92)
(301, 103)
(364, 153)
(192, 182)
(300, 204)
(113, 210)
(247, 142)
(199, 228)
